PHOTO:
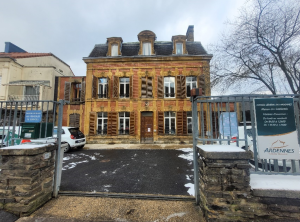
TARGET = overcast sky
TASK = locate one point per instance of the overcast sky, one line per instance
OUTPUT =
(69, 29)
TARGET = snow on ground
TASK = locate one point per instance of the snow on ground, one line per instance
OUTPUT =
(74, 164)
(188, 155)
(275, 182)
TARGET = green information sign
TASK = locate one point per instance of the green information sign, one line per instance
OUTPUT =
(274, 116)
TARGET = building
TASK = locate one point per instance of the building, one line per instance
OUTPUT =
(139, 92)
(28, 76)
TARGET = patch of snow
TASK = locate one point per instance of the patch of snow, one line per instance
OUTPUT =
(275, 182)
(220, 148)
(188, 154)
(73, 165)
(191, 189)
(103, 172)
(188, 177)
(66, 158)
(175, 215)
(93, 157)
(108, 185)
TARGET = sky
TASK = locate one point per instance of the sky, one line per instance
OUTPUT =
(70, 28)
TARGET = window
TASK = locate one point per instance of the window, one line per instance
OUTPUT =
(31, 92)
(102, 123)
(146, 88)
(124, 87)
(189, 123)
(102, 88)
(169, 84)
(179, 48)
(124, 118)
(191, 83)
(76, 91)
(146, 48)
(170, 122)
(114, 50)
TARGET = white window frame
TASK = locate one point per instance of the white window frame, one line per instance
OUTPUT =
(179, 45)
(169, 87)
(102, 117)
(114, 49)
(170, 117)
(122, 115)
(147, 48)
(124, 83)
(103, 87)
(188, 82)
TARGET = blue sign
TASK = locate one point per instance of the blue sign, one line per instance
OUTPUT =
(33, 116)
(228, 124)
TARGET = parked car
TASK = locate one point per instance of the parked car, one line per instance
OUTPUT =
(71, 135)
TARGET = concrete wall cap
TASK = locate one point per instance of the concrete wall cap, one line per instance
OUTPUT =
(27, 150)
(223, 152)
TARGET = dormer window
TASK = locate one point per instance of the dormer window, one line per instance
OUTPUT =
(114, 46)
(114, 50)
(146, 48)
(179, 48)
(146, 39)
(179, 44)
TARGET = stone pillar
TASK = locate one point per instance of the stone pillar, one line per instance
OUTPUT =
(224, 182)
(26, 177)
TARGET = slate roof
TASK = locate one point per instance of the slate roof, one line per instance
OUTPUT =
(161, 49)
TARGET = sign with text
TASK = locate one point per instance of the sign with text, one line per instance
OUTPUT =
(33, 116)
(277, 137)
(228, 124)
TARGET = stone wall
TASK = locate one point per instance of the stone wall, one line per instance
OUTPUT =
(26, 177)
(226, 195)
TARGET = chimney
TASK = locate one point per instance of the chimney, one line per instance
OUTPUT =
(9, 47)
(190, 33)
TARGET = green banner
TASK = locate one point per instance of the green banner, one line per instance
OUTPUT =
(274, 116)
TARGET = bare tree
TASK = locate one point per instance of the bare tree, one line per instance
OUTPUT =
(261, 51)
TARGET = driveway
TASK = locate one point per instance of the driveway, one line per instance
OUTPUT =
(143, 171)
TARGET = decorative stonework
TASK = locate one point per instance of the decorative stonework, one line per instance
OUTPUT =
(146, 36)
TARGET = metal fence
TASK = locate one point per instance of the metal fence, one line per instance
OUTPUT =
(13, 117)
(209, 110)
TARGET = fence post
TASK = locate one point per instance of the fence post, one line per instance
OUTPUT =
(58, 161)
(194, 94)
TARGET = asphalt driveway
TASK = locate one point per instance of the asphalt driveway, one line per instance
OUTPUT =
(166, 172)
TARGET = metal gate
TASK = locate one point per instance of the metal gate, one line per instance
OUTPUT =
(13, 115)
(207, 111)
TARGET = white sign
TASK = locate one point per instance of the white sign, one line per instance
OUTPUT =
(149, 129)
(277, 137)
(47, 155)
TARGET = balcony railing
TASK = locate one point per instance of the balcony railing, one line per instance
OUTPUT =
(25, 98)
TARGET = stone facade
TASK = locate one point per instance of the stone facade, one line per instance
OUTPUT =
(26, 178)
(226, 195)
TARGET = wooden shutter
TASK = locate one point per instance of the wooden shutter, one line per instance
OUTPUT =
(115, 87)
(201, 83)
(92, 128)
(72, 120)
(108, 88)
(149, 87)
(112, 124)
(160, 123)
(131, 87)
(144, 87)
(67, 91)
(203, 128)
(160, 87)
(82, 95)
(181, 88)
(94, 87)
(132, 124)
(181, 123)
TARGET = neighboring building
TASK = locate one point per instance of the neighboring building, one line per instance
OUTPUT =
(139, 92)
(29, 76)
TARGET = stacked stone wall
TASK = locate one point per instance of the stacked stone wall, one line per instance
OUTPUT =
(26, 178)
(226, 195)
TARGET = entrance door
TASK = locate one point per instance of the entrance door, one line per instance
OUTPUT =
(146, 127)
